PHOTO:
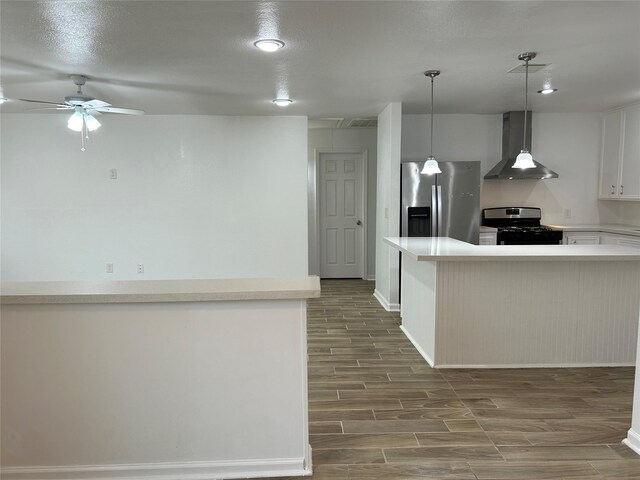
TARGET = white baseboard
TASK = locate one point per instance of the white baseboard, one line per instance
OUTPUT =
(166, 471)
(371, 278)
(539, 365)
(389, 307)
(632, 441)
(418, 347)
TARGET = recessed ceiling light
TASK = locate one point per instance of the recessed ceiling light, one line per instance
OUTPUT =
(547, 91)
(269, 44)
(282, 102)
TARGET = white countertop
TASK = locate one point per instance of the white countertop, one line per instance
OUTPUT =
(604, 228)
(158, 291)
(449, 249)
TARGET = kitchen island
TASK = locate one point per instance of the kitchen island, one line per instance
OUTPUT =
(468, 306)
(183, 379)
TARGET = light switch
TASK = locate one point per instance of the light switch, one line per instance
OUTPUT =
(109, 267)
(113, 174)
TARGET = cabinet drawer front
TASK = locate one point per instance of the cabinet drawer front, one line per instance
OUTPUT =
(592, 239)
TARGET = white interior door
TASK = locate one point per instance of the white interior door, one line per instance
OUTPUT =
(340, 182)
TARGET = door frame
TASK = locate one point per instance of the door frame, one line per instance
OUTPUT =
(314, 198)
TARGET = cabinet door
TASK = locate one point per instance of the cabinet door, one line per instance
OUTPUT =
(610, 160)
(488, 239)
(630, 161)
(583, 238)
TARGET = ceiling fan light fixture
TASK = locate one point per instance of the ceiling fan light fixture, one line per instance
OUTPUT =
(269, 44)
(282, 102)
(91, 122)
(76, 121)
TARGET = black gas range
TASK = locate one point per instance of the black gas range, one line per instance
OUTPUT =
(520, 226)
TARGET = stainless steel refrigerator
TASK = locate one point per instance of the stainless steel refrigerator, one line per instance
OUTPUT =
(442, 205)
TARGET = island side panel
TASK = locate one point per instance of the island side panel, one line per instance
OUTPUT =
(419, 305)
(209, 388)
(532, 313)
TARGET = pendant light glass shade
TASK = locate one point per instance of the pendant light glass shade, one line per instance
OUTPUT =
(524, 160)
(431, 166)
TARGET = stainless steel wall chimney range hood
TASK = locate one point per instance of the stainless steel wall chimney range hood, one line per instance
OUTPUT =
(512, 133)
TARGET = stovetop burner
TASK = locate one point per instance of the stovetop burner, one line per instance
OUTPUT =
(535, 229)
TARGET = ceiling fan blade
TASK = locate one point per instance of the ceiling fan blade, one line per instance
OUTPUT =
(42, 101)
(126, 111)
(49, 108)
(95, 103)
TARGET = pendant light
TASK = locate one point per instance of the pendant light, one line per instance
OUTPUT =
(524, 159)
(431, 165)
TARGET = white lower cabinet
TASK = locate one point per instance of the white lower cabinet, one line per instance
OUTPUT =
(595, 238)
(581, 238)
(624, 240)
(488, 238)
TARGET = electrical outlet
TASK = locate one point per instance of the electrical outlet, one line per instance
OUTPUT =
(567, 213)
(113, 174)
(141, 268)
(109, 267)
(386, 213)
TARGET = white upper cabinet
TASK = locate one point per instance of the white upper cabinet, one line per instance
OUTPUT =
(630, 160)
(620, 161)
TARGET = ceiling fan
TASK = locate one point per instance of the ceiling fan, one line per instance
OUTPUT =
(84, 109)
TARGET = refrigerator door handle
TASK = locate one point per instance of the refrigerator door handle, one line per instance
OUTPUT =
(434, 209)
(439, 187)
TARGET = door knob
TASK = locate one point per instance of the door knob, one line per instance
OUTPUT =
(359, 223)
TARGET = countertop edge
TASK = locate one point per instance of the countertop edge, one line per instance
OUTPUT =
(466, 252)
(290, 289)
(631, 230)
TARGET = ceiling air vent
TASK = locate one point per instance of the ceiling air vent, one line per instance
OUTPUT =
(363, 122)
(326, 122)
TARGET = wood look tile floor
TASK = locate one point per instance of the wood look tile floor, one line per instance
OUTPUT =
(378, 411)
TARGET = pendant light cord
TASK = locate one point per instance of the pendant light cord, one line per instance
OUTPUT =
(431, 150)
(526, 94)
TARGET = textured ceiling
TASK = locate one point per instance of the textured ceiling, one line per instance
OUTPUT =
(342, 59)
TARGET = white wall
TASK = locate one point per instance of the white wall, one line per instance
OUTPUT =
(196, 197)
(620, 212)
(343, 140)
(568, 143)
(388, 205)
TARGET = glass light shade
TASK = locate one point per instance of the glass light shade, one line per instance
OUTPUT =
(92, 123)
(524, 160)
(269, 45)
(431, 166)
(75, 122)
